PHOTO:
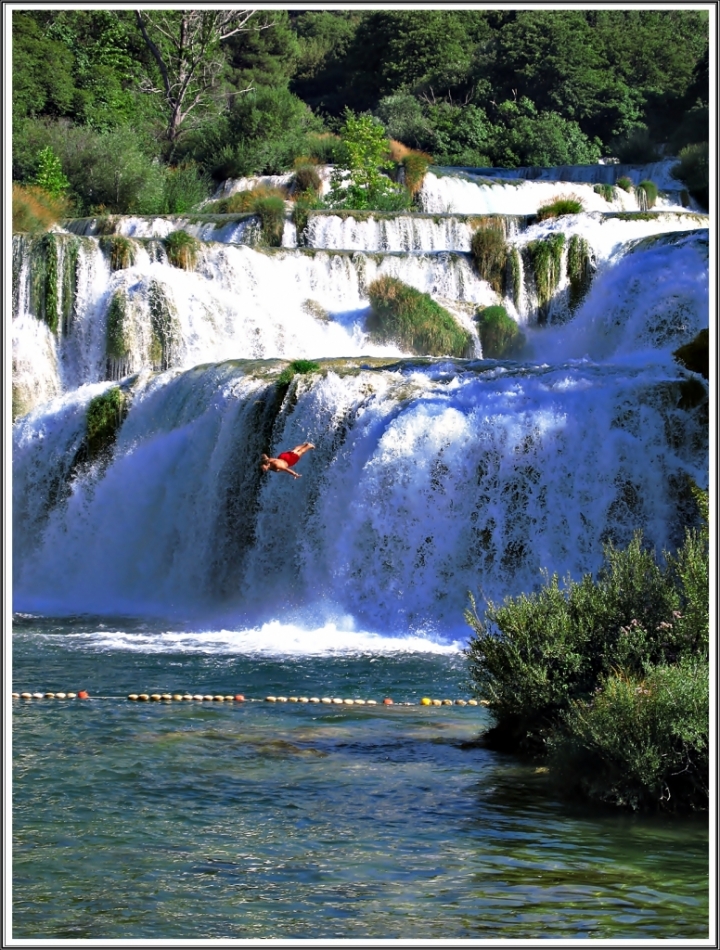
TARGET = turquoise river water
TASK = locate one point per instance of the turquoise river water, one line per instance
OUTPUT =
(209, 820)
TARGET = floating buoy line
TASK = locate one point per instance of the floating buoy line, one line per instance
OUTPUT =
(240, 698)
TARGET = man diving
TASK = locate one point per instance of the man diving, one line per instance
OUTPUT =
(285, 460)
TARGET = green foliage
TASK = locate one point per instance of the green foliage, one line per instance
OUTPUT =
(324, 147)
(413, 320)
(607, 191)
(297, 367)
(303, 205)
(415, 165)
(49, 175)
(360, 183)
(546, 257)
(105, 415)
(34, 210)
(647, 193)
(560, 665)
(403, 118)
(117, 337)
(120, 249)
(182, 249)
(500, 336)
(271, 211)
(527, 136)
(490, 254)
(641, 742)
(696, 355)
(625, 183)
(567, 205)
(184, 188)
(636, 147)
(693, 169)
(307, 178)
(578, 268)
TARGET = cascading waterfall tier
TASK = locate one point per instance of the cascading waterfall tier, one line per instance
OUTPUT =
(431, 478)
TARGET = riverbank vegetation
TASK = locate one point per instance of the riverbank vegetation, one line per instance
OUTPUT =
(606, 678)
(109, 130)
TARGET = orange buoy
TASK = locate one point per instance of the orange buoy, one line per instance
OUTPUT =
(387, 701)
(83, 694)
(240, 698)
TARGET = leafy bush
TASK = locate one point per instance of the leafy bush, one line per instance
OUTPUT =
(489, 252)
(569, 204)
(500, 336)
(562, 667)
(324, 147)
(625, 183)
(637, 147)
(297, 367)
(185, 187)
(34, 210)
(182, 249)
(302, 206)
(641, 741)
(647, 193)
(243, 202)
(607, 191)
(413, 320)
(528, 136)
(693, 169)
(49, 175)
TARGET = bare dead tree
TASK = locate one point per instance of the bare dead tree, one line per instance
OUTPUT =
(185, 45)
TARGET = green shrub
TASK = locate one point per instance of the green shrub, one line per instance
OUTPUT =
(121, 251)
(490, 253)
(297, 367)
(637, 147)
(641, 741)
(302, 206)
(555, 667)
(416, 165)
(413, 320)
(625, 183)
(49, 175)
(693, 168)
(546, 257)
(578, 269)
(182, 249)
(243, 202)
(570, 204)
(185, 188)
(307, 178)
(647, 193)
(607, 191)
(34, 210)
(105, 415)
(695, 355)
(271, 211)
(500, 336)
(325, 147)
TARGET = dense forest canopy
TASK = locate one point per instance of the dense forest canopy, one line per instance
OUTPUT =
(140, 108)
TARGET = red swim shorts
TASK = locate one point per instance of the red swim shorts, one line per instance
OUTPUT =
(290, 457)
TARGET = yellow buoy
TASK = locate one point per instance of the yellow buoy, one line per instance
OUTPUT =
(143, 697)
(167, 696)
(156, 697)
(133, 696)
(292, 699)
(472, 702)
(425, 701)
(177, 696)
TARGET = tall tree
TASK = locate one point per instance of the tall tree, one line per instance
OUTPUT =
(186, 47)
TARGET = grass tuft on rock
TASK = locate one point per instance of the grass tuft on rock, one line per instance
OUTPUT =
(182, 249)
(413, 320)
(625, 183)
(546, 257)
(297, 367)
(578, 269)
(500, 336)
(607, 191)
(105, 415)
(490, 253)
(569, 204)
(647, 192)
(121, 251)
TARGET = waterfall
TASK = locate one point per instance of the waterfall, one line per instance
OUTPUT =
(431, 477)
